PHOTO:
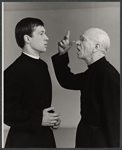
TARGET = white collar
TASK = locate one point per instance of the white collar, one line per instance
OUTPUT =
(35, 57)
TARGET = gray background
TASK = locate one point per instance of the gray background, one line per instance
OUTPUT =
(59, 17)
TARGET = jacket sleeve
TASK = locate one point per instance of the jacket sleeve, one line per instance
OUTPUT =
(111, 108)
(65, 77)
(14, 114)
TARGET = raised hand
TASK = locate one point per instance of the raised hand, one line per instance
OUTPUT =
(64, 45)
(49, 119)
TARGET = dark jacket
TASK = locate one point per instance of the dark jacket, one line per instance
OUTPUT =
(27, 91)
(100, 101)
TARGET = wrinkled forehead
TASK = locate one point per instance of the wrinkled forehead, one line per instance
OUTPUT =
(88, 34)
(83, 37)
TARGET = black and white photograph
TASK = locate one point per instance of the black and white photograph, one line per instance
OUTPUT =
(61, 75)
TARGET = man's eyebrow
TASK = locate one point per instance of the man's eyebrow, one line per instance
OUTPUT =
(42, 31)
(82, 37)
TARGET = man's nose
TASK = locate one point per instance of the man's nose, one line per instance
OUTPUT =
(77, 42)
(46, 37)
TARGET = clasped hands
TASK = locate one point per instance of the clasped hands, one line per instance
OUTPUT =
(64, 45)
(51, 119)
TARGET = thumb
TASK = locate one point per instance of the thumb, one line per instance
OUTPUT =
(71, 43)
(48, 109)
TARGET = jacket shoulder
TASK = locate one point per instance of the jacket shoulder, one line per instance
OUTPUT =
(15, 66)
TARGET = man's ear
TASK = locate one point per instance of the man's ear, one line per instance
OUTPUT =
(27, 38)
(96, 48)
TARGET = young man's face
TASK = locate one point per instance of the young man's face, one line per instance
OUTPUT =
(38, 41)
(85, 47)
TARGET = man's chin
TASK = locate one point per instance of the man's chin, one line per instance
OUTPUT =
(79, 57)
(44, 50)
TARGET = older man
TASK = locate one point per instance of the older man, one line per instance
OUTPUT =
(99, 85)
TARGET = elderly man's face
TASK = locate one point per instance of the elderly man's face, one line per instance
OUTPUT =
(84, 47)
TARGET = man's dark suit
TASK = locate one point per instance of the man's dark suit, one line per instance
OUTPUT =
(100, 101)
(27, 91)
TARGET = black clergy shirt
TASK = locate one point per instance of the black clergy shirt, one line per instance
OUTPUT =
(100, 93)
(27, 92)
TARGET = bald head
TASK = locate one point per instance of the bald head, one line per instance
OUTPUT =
(97, 35)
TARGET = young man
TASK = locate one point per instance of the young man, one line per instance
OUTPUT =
(99, 85)
(28, 91)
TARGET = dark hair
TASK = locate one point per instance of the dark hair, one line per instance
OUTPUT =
(26, 26)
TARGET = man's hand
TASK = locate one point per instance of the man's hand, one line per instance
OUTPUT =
(56, 125)
(49, 119)
(65, 45)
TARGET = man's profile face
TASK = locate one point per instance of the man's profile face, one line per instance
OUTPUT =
(38, 41)
(84, 46)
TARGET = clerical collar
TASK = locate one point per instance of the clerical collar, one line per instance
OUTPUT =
(35, 57)
(98, 62)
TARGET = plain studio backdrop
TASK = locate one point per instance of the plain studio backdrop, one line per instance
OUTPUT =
(59, 17)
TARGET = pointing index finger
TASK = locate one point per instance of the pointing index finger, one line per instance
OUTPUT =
(68, 34)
